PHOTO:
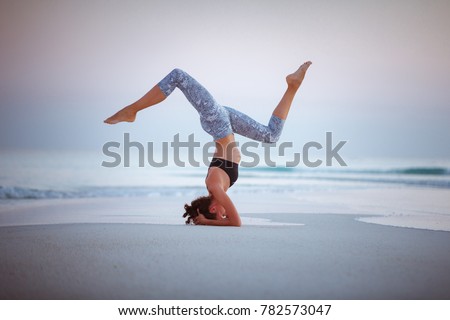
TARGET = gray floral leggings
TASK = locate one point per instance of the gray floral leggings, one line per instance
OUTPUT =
(217, 120)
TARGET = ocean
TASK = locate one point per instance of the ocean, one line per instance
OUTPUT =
(26, 174)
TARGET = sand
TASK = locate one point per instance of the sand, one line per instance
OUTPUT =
(305, 246)
(330, 257)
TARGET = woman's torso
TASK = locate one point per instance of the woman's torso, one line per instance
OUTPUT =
(227, 149)
(224, 173)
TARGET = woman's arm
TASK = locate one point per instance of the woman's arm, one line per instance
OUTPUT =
(201, 220)
(232, 219)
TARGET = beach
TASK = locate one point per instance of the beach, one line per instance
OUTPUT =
(349, 200)
(126, 249)
(71, 229)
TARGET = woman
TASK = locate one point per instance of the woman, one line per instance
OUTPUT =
(221, 123)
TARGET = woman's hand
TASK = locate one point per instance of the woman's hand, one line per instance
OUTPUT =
(200, 219)
(235, 222)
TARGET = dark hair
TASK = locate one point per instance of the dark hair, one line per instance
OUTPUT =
(202, 204)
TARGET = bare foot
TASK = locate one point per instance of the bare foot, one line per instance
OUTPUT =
(295, 79)
(125, 114)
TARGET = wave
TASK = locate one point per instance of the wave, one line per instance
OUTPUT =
(31, 193)
(254, 180)
(433, 177)
(16, 193)
(436, 171)
(427, 171)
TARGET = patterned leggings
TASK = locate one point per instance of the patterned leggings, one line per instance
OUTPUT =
(217, 120)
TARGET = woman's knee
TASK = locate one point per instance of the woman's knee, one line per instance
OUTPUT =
(272, 138)
(178, 73)
(275, 128)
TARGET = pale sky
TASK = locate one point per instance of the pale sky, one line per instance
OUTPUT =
(380, 76)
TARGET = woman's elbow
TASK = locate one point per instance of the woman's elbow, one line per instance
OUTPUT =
(236, 223)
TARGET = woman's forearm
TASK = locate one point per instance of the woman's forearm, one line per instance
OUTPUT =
(220, 223)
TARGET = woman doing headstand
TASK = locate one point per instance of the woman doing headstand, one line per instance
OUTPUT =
(221, 123)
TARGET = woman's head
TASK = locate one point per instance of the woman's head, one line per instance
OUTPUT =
(201, 204)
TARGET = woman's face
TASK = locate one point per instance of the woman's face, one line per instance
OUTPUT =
(217, 208)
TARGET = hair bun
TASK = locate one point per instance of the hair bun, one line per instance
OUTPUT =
(201, 204)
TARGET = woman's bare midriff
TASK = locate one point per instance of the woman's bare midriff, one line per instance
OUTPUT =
(226, 149)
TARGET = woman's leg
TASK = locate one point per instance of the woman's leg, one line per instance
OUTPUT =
(196, 94)
(213, 117)
(128, 113)
(247, 127)
(294, 81)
